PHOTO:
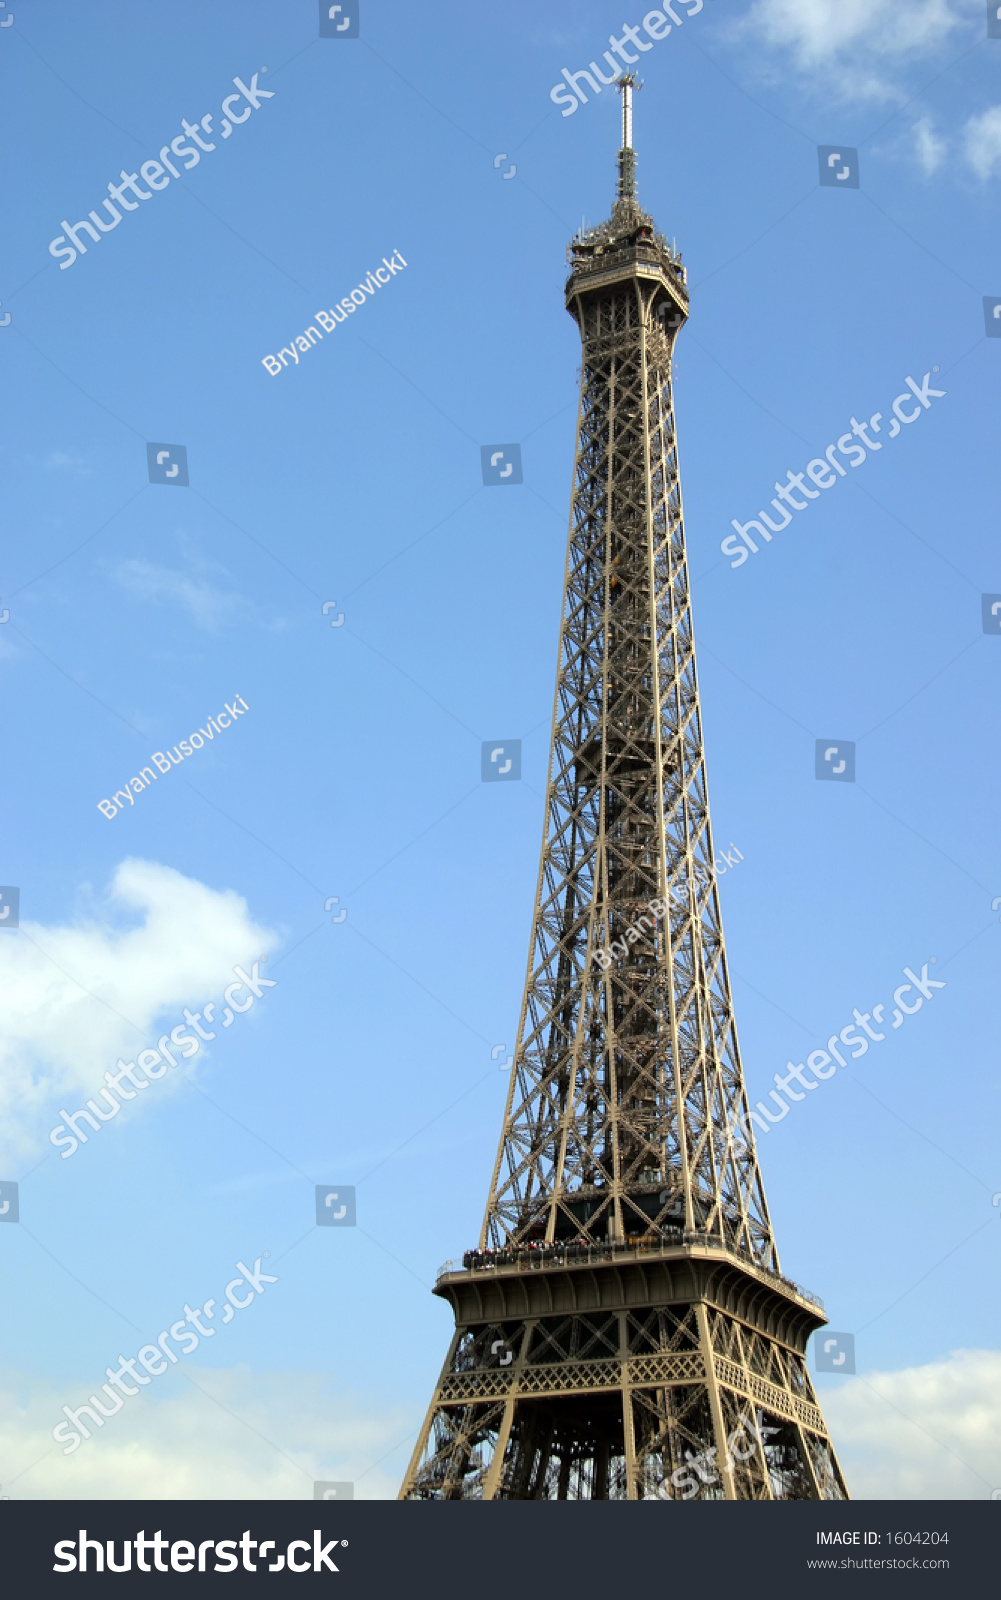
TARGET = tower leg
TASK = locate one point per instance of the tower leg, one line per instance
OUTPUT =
(419, 1448)
(628, 1421)
(493, 1477)
(808, 1463)
(422, 1438)
(724, 1464)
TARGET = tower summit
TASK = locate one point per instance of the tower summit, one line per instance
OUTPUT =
(623, 1330)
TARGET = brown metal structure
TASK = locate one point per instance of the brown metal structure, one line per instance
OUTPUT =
(623, 1330)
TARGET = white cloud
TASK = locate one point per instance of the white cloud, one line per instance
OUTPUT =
(58, 1038)
(849, 41)
(930, 148)
(62, 461)
(209, 606)
(982, 136)
(926, 1433)
(186, 1446)
(816, 30)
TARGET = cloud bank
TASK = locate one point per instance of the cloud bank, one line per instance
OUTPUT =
(847, 38)
(926, 1433)
(238, 1435)
(79, 995)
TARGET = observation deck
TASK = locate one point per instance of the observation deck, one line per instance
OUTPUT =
(542, 1280)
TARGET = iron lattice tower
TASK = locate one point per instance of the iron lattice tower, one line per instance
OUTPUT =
(623, 1330)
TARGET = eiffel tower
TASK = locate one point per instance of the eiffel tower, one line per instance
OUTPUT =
(623, 1330)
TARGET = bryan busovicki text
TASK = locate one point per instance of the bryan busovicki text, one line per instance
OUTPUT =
(174, 757)
(328, 320)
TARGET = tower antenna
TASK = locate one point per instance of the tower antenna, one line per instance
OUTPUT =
(627, 156)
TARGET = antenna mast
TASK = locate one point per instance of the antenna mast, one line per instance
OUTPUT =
(627, 156)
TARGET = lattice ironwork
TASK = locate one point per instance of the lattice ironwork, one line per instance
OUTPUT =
(626, 1100)
(626, 1142)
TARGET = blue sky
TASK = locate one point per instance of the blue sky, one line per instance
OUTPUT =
(138, 610)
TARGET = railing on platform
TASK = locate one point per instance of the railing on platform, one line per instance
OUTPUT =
(533, 1258)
